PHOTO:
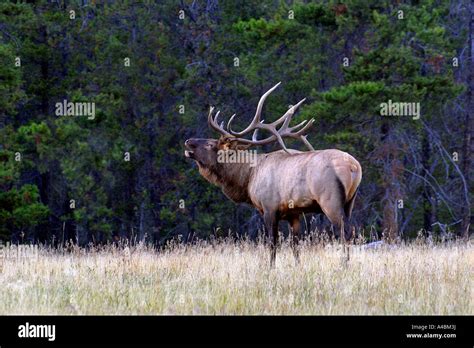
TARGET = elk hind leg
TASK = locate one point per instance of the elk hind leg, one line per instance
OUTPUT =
(348, 212)
(336, 210)
(338, 219)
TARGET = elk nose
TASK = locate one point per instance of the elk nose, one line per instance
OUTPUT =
(189, 143)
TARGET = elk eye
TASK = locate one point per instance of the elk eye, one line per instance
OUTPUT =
(208, 146)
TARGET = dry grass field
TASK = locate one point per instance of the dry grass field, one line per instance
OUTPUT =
(235, 278)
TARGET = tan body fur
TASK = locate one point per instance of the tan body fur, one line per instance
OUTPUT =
(291, 184)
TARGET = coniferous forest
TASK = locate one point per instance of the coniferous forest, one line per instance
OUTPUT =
(98, 97)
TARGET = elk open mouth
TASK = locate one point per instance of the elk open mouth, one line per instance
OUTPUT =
(188, 153)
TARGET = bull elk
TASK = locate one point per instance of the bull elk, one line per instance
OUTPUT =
(283, 184)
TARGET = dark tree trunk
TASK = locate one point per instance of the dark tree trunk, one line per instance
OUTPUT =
(428, 202)
(468, 218)
(390, 183)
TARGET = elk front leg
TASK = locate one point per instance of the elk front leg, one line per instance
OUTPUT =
(295, 236)
(271, 225)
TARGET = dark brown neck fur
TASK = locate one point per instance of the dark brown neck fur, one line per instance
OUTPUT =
(232, 178)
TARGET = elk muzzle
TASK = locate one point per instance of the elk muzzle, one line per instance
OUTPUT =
(190, 146)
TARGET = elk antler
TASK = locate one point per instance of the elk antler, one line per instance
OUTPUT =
(213, 123)
(277, 134)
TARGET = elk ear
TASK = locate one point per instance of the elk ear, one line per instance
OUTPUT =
(225, 143)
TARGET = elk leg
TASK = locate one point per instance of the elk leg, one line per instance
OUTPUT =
(348, 228)
(338, 220)
(335, 218)
(271, 225)
(342, 234)
(341, 225)
(295, 236)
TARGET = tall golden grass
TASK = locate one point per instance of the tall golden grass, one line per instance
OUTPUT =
(235, 278)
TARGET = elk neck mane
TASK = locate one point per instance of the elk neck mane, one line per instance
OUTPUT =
(232, 178)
